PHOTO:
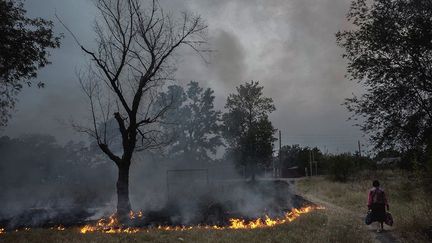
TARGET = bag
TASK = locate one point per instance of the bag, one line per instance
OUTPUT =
(368, 219)
(378, 196)
(388, 219)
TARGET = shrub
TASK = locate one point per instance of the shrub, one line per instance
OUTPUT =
(340, 167)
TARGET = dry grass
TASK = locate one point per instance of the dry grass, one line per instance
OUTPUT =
(320, 226)
(410, 205)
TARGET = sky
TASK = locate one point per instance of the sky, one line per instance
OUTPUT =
(287, 45)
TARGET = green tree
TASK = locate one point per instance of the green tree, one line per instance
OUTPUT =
(23, 50)
(193, 121)
(289, 154)
(301, 156)
(340, 167)
(389, 52)
(387, 153)
(246, 126)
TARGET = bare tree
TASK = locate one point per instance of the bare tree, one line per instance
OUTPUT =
(135, 54)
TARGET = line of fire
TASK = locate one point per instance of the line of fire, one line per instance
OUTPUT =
(189, 199)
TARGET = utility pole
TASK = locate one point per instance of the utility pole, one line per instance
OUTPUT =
(280, 154)
(273, 166)
(314, 162)
(310, 162)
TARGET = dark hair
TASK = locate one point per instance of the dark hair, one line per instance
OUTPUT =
(376, 183)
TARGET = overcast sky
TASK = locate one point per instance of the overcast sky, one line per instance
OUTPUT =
(287, 45)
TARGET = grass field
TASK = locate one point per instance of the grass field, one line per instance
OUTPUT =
(341, 222)
(410, 205)
(318, 226)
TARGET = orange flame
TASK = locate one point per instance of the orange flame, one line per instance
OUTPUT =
(268, 222)
(111, 225)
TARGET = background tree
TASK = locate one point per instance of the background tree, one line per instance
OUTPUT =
(295, 155)
(23, 50)
(389, 52)
(44, 172)
(136, 43)
(388, 153)
(340, 167)
(246, 126)
(194, 123)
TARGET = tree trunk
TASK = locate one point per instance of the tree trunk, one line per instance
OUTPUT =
(123, 202)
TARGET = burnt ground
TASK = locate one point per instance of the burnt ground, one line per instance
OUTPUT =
(210, 210)
(46, 218)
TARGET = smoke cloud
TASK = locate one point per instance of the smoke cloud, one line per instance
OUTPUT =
(289, 46)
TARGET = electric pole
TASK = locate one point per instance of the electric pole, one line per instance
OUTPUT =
(314, 162)
(310, 162)
(280, 154)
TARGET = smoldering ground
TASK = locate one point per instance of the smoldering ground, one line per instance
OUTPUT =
(46, 184)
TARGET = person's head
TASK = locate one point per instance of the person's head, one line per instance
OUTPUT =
(375, 183)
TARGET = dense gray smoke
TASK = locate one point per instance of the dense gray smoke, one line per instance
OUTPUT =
(289, 46)
(44, 182)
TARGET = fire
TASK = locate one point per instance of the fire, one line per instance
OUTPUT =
(268, 222)
(111, 225)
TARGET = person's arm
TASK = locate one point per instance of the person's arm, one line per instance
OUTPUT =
(385, 201)
(369, 200)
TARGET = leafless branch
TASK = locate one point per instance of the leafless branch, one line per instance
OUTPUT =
(136, 44)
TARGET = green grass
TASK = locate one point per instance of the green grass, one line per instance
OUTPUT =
(410, 205)
(319, 226)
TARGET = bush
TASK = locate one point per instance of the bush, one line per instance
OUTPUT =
(340, 167)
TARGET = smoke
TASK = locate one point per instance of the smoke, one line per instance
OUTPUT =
(189, 193)
(228, 63)
(42, 180)
(289, 46)
(48, 184)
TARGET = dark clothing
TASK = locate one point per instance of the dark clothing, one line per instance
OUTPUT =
(377, 202)
(378, 212)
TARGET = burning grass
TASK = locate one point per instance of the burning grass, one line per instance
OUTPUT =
(316, 226)
(111, 225)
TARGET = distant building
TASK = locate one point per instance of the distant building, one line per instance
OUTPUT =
(292, 172)
(388, 162)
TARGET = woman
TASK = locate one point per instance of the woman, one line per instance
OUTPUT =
(377, 203)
